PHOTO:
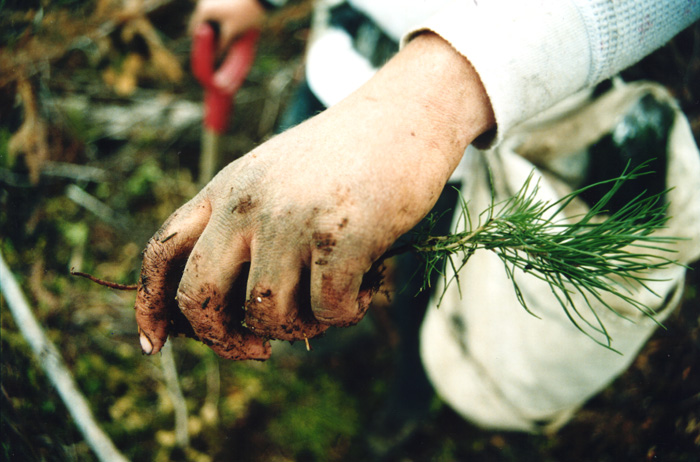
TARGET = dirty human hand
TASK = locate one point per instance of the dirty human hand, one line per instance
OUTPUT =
(234, 17)
(304, 216)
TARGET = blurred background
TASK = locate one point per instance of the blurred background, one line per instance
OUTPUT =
(100, 129)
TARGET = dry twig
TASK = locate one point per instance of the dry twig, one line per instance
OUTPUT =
(60, 377)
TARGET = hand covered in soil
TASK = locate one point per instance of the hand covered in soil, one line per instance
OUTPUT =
(304, 216)
(234, 17)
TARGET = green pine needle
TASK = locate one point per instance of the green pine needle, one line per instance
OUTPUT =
(580, 255)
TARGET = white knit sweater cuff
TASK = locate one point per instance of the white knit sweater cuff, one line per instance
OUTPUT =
(532, 54)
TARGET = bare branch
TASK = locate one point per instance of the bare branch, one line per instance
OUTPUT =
(50, 360)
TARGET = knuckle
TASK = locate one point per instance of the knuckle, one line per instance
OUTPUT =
(288, 328)
(215, 328)
(154, 254)
(204, 298)
(262, 313)
(188, 299)
(324, 240)
(280, 316)
(247, 347)
(337, 318)
(338, 302)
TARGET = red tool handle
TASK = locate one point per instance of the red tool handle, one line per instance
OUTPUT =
(220, 85)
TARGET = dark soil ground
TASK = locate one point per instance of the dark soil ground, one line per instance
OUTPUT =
(109, 150)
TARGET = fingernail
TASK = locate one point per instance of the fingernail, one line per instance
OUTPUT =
(146, 345)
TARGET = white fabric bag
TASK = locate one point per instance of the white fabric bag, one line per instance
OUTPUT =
(490, 360)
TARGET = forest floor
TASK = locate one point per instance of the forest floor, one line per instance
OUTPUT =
(100, 125)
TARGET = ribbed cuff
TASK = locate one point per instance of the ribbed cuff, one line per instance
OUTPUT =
(532, 54)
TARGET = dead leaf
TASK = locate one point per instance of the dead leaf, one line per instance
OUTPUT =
(31, 138)
(164, 62)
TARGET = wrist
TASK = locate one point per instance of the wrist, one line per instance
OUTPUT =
(435, 89)
(456, 92)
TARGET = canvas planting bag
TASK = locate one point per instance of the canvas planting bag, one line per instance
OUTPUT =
(488, 358)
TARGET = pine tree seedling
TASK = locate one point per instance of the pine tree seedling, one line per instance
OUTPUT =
(590, 255)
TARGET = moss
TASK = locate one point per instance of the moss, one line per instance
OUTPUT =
(318, 419)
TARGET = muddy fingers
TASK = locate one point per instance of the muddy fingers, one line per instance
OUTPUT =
(163, 261)
(211, 293)
(340, 293)
(277, 305)
(216, 318)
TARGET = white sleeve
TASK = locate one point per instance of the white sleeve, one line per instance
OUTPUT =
(532, 54)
